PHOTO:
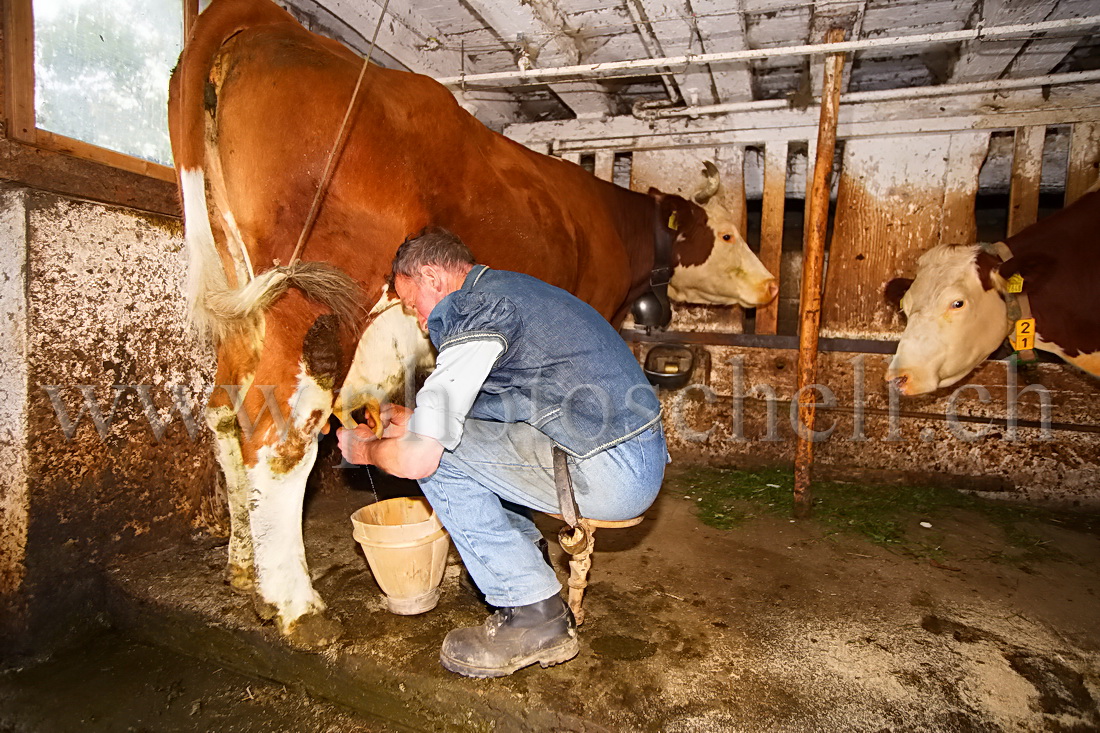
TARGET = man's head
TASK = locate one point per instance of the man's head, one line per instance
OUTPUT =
(427, 268)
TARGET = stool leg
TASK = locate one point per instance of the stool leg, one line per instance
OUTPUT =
(579, 566)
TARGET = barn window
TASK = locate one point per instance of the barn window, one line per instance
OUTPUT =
(101, 72)
(84, 87)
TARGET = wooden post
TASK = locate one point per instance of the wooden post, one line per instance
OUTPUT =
(1027, 170)
(605, 165)
(1084, 160)
(18, 39)
(813, 259)
(771, 226)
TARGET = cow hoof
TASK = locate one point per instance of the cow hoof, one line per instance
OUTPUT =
(313, 631)
(240, 579)
(266, 611)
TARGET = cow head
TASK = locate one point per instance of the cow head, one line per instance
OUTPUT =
(713, 263)
(956, 315)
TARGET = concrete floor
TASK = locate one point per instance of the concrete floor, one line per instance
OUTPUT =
(773, 625)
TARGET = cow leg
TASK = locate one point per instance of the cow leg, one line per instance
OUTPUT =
(222, 420)
(290, 398)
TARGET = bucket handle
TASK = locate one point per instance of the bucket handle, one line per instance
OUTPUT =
(441, 532)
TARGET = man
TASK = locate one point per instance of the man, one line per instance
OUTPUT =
(522, 367)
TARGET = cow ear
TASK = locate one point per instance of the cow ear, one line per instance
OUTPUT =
(1033, 267)
(896, 289)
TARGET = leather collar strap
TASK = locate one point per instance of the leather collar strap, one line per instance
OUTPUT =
(663, 237)
(1019, 307)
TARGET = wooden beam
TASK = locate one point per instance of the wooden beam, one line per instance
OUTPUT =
(934, 114)
(1027, 170)
(1042, 55)
(771, 226)
(553, 45)
(812, 267)
(18, 38)
(721, 26)
(48, 170)
(1084, 160)
(673, 28)
(980, 60)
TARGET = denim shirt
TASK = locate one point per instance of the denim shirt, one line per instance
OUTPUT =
(564, 369)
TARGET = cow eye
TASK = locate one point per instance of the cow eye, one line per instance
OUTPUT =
(958, 304)
(726, 237)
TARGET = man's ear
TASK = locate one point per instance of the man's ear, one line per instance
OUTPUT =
(1033, 267)
(896, 289)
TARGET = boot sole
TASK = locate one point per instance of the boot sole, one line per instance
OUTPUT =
(545, 657)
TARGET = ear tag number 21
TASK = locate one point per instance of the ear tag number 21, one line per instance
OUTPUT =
(1025, 334)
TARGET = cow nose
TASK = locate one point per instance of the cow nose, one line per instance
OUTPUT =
(770, 290)
(900, 382)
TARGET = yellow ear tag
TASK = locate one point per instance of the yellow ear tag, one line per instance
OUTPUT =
(1025, 334)
(1016, 283)
(672, 223)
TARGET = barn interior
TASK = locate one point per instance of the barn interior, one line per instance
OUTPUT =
(957, 121)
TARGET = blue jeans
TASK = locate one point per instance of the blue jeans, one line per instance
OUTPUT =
(484, 488)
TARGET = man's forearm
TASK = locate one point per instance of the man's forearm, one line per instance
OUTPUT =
(412, 456)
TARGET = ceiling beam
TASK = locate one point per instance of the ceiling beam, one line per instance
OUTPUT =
(405, 41)
(721, 28)
(827, 15)
(981, 60)
(668, 23)
(1042, 55)
(538, 33)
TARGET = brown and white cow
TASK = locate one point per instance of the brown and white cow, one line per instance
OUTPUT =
(956, 309)
(255, 105)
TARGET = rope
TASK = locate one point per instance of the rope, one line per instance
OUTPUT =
(311, 218)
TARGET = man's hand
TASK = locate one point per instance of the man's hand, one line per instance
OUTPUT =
(356, 444)
(395, 419)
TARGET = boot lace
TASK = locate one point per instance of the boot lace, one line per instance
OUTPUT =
(498, 619)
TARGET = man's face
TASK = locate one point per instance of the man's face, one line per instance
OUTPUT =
(419, 295)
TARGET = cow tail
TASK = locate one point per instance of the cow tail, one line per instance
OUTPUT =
(231, 309)
(187, 117)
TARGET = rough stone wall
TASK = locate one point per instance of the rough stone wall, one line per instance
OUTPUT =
(110, 465)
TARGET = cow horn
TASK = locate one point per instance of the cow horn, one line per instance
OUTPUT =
(711, 182)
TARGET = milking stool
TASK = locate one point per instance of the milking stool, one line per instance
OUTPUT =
(578, 538)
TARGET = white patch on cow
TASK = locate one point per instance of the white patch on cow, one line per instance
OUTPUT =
(275, 506)
(731, 275)
(391, 351)
(275, 517)
(204, 271)
(954, 323)
(239, 251)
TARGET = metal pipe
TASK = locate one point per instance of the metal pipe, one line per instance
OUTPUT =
(920, 39)
(882, 95)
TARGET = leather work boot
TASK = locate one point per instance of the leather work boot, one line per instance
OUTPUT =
(513, 638)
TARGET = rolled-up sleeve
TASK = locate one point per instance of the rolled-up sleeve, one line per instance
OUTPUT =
(449, 392)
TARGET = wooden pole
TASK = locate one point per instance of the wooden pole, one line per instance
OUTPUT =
(813, 259)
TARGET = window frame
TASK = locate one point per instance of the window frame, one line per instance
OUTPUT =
(23, 137)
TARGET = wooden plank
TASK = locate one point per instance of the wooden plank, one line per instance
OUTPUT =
(965, 156)
(771, 226)
(1027, 169)
(47, 170)
(605, 165)
(983, 59)
(18, 38)
(731, 195)
(62, 144)
(1084, 160)
(571, 157)
(812, 266)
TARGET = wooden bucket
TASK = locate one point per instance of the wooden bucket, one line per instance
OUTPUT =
(406, 547)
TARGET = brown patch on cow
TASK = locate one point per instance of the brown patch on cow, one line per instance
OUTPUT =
(290, 452)
(1058, 259)
(321, 351)
(986, 264)
(694, 237)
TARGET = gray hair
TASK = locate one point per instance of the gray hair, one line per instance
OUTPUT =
(432, 246)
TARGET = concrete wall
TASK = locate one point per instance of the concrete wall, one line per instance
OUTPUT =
(97, 358)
